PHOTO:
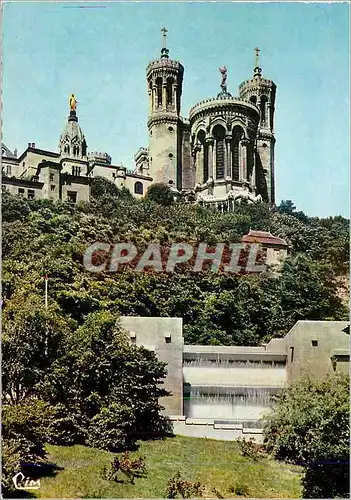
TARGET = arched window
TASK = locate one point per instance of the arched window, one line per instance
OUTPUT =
(169, 91)
(200, 139)
(159, 91)
(138, 188)
(253, 99)
(66, 149)
(263, 109)
(219, 134)
(236, 136)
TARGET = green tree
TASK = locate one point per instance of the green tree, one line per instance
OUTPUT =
(159, 193)
(110, 387)
(310, 426)
(31, 341)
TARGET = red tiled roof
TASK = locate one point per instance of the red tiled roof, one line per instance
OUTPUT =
(263, 237)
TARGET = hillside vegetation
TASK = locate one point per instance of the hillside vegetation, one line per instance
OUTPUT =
(42, 237)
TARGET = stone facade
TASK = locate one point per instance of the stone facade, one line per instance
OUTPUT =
(222, 152)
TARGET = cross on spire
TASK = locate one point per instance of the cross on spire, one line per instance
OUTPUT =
(257, 54)
(164, 36)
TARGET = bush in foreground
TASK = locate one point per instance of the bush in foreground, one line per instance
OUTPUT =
(310, 426)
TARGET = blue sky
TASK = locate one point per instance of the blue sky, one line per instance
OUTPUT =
(53, 49)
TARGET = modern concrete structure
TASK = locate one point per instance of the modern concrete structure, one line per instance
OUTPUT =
(222, 391)
(221, 153)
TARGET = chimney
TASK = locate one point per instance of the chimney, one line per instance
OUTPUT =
(15, 153)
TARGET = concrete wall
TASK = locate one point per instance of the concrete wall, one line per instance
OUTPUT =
(237, 377)
(208, 428)
(154, 334)
(303, 357)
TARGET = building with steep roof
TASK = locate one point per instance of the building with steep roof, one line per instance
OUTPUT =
(221, 153)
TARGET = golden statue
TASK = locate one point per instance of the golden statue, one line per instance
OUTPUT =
(72, 103)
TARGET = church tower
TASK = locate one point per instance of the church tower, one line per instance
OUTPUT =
(261, 92)
(164, 80)
(72, 141)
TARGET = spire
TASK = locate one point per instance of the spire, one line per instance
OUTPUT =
(164, 50)
(257, 69)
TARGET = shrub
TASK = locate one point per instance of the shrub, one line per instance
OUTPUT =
(186, 489)
(24, 430)
(241, 490)
(250, 449)
(160, 193)
(310, 426)
(131, 468)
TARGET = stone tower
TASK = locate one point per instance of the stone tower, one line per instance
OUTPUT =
(72, 141)
(261, 92)
(164, 80)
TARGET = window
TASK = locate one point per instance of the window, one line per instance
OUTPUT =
(51, 177)
(236, 137)
(168, 339)
(133, 337)
(8, 169)
(76, 171)
(159, 91)
(72, 196)
(31, 194)
(314, 343)
(219, 134)
(20, 191)
(138, 188)
(291, 354)
(169, 91)
(52, 187)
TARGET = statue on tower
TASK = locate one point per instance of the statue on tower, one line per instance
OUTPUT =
(73, 103)
(224, 78)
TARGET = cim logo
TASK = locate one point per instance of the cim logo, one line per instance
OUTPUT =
(22, 482)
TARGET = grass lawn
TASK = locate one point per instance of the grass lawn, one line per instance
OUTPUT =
(216, 464)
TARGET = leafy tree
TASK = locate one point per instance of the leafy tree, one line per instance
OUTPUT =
(101, 187)
(24, 431)
(160, 193)
(31, 341)
(286, 207)
(110, 387)
(310, 426)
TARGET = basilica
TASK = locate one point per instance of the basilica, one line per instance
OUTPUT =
(221, 153)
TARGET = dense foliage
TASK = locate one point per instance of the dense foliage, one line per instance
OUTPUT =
(310, 426)
(41, 237)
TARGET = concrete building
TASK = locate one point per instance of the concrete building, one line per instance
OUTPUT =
(222, 152)
(222, 391)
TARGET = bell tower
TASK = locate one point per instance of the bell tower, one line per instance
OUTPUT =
(164, 80)
(72, 141)
(261, 92)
